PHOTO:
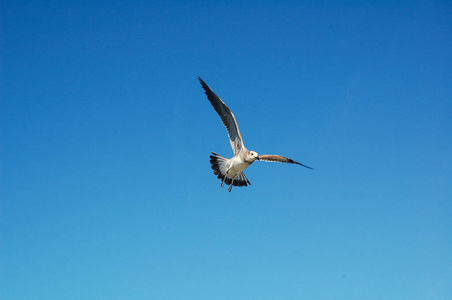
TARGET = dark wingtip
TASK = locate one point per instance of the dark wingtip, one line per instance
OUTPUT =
(206, 88)
(296, 162)
(304, 166)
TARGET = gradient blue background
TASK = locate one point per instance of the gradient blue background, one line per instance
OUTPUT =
(107, 191)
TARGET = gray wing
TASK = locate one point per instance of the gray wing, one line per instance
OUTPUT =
(279, 158)
(226, 116)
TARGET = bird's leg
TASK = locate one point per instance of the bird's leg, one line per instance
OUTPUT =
(224, 178)
(232, 183)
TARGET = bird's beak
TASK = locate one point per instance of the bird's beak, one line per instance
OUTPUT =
(257, 158)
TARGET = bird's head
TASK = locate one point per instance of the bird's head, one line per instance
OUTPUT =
(252, 156)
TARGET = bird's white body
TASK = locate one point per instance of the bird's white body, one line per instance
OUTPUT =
(237, 164)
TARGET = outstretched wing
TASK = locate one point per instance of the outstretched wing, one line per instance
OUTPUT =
(279, 158)
(226, 116)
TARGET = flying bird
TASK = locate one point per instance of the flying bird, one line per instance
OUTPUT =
(230, 171)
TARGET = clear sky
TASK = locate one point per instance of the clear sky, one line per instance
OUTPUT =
(106, 186)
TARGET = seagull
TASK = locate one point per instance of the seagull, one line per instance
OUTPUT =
(230, 171)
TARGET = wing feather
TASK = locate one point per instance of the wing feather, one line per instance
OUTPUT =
(226, 116)
(279, 158)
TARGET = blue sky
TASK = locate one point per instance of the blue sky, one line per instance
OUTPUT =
(107, 191)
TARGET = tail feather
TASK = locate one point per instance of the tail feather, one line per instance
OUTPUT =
(218, 165)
